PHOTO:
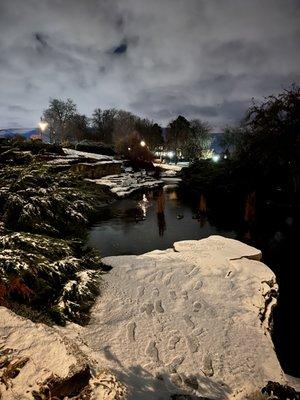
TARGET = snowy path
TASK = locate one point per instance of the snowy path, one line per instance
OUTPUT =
(185, 321)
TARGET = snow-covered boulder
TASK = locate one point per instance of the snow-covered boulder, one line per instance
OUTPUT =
(193, 320)
(125, 184)
(37, 362)
(98, 169)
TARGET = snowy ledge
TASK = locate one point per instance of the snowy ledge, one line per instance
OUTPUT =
(127, 183)
(189, 320)
(77, 153)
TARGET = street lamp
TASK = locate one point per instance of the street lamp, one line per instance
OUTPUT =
(215, 157)
(143, 143)
(43, 126)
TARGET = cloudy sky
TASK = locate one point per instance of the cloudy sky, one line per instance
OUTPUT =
(156, 58)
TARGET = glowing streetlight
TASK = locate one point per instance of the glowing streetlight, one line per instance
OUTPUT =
(143, 143)
(215, 157)
(43, 126)
(170, 154)
(129, 148)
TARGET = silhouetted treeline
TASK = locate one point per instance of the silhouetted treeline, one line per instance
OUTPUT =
(123, 130)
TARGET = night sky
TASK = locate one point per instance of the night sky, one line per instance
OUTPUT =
(156, 58)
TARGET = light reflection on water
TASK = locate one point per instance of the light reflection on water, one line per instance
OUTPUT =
(136, 226)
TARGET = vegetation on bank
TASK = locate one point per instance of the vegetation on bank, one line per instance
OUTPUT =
(263, 154)
(46, 274)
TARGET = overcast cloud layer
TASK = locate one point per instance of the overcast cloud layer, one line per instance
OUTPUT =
(157, 58)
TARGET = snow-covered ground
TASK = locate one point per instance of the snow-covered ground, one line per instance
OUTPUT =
(192, 320)
(127, 183)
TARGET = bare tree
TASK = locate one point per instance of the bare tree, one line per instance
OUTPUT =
(198, 139)
(125, 124)
(58, 115)
(178, 133)
(150, 132)
(78, 126)
(103, 122)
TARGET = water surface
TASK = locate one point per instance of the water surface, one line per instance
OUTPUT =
(134, 226)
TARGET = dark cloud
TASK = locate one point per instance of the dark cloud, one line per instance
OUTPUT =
(41, 39)
(158, 58)
(122, 48)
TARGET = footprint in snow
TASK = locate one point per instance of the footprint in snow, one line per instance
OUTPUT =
(188, 321)
(148, 308)
(131, 331)
(158, 307)
(151, 350)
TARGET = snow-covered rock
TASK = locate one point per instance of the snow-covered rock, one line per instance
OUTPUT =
(127, 183)
(191, 320)
(172, 167)
(37, 362)
(77, 153)
(98, 169)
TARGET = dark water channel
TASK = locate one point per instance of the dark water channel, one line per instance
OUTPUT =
(134, 226)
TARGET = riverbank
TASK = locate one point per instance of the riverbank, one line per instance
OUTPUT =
(46, 273)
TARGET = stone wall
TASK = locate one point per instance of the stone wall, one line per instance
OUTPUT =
(97, 170)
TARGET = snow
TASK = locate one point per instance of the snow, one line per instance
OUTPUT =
(170, 167)
(127, 183)
(76, 153)
(43, 353)
(190, 320)
(47, 352)
(171, 173)
(294, 382)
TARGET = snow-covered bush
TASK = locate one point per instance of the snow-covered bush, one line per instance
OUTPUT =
(48, 276)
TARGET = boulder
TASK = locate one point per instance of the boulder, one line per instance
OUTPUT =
(97, 170)
(39, 363)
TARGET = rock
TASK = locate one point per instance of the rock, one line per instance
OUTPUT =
(98, 169)
(207, 340)
(37, 362)
(15, 157)
(127, 183)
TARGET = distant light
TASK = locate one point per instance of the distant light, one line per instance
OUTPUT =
(170, 154)
(143, 144)
(225, 156)
(129, 148)
(215, 157)
(43, 125)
